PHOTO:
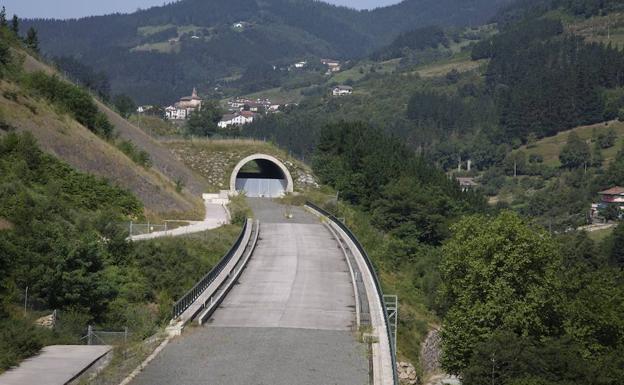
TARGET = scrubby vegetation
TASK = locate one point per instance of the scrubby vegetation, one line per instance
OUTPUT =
(71, 99)
(140, 157)
(66, 243)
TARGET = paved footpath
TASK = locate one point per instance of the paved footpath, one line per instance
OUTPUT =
(55, 365)
(216, 216)
(288, 321)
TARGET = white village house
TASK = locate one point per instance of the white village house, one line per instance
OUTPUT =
(237, 119)
(342, 90)
(185, 107)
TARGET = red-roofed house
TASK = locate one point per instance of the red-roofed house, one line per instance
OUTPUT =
(613, 195)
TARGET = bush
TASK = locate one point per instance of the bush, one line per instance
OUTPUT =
(19, 339)
(137, 155)
(239, 211)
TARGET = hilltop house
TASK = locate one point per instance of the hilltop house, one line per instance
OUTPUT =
(185, 107)
(237, 119)
(342, 90)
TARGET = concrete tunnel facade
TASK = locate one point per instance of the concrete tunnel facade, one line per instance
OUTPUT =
(272, 180)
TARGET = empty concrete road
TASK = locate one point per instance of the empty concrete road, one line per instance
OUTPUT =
(297, 278)
(288, 320)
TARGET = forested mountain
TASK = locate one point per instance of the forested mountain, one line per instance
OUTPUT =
(479, 94)
(159, 54)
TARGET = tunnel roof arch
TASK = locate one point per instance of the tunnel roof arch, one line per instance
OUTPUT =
(290, 186)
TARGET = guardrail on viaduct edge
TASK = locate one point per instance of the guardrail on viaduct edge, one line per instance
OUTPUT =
(194, 293)
(371, 267)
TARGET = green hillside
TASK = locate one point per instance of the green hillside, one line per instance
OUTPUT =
(68, 186)
(200, 42)
(549, 148)
(125, 156)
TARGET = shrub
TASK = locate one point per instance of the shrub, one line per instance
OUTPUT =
(137, 155)
(19, 339)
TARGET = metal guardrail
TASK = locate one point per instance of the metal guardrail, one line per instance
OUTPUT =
(194, 293)
(371, 268)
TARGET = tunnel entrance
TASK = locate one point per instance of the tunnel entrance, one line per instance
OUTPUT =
(261, 176)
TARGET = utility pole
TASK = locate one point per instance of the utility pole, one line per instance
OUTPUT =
(493, 367)
(26, 301)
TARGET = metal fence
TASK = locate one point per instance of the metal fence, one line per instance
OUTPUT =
(371, 268)
(190, 297)
(105, 337)
(148, 228)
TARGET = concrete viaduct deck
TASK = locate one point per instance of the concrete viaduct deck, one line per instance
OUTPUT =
(290, 319)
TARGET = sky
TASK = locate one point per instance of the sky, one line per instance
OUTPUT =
(64, 9)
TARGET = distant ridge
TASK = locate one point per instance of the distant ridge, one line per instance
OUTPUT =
(194, 42)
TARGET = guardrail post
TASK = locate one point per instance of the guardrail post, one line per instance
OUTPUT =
(391, 303)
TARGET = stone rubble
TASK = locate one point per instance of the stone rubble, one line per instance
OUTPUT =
(407, 373)
(430, 352)
(47, 322)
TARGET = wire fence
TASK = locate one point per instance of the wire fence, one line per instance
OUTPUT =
(105, 337)
(148, 228)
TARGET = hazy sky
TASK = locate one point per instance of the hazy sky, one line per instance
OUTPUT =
(79, 8)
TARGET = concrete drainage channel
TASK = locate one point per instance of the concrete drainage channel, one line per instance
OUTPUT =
(205, 303)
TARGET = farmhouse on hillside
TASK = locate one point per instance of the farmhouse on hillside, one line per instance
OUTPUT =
(610, 197)
(342, 90)
(332, 65)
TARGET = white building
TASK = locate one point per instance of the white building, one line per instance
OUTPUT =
(237, 119)
(185, 107)
(332, 65)
(342, 90)
(301, 64)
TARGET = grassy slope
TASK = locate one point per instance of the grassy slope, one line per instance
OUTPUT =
(63, 137)
(215, 159)
(602, 29)
(550, 147)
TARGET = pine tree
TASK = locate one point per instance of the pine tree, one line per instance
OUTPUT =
(15, 24)
(32, 40)
(3, 19)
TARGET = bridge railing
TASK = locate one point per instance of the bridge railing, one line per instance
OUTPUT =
(371, 268)
(187, 299)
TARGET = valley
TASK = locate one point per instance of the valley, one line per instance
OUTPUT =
(474, 156)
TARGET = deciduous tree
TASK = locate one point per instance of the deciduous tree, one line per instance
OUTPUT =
(498, 274)
(575, 153)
